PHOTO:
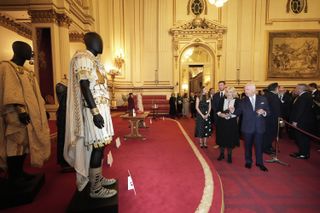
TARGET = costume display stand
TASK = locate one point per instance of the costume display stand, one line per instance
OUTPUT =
(20, 193)
(82, 202)
(275, 158)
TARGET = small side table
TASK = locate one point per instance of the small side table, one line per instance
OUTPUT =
(134, 125)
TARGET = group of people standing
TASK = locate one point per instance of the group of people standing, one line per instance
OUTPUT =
(256, 118)
(214, 108)
(182, 106)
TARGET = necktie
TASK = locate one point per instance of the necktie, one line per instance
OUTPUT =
(281, 98)
(221, 94)
(252, 102)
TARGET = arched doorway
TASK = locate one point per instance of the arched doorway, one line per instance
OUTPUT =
(197, 68)
(205, 37)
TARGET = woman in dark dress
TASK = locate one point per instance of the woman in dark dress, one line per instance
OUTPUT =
(227, 133)
(203, 123)
(172, 103)
(192, 104)
(131, 104)
(179, 105)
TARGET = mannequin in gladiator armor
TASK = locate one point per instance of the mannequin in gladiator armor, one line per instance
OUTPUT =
(89, 126)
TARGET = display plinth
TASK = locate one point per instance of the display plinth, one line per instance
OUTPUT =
(82, 202)
(11, 196)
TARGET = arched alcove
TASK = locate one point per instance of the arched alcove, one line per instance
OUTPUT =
(196, 67)
(200, 33)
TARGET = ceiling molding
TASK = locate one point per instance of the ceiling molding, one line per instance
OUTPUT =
(20, 28)
(24, 29)
(50, 16)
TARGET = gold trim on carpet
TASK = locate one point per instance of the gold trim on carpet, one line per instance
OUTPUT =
(208, 190)
(222, 195)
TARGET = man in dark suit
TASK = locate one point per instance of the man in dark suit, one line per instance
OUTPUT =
(254, 110)
(316, 105)
(286, 100)
(272, 119)
(302, 116)
(217, 97)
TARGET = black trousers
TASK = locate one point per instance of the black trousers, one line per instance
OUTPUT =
(257, 140)
(303, 142)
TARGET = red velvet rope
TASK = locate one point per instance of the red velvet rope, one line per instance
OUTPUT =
(301, 130)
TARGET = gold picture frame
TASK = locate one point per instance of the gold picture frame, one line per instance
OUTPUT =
(294, 55)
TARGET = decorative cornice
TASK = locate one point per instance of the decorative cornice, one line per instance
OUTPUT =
(24, 29)
(198, 26)
(10, 24)
(64, 20)
(49, 16)
(80, 10)
(42, 16)
(76, 37)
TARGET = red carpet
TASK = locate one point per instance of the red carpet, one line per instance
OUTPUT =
(166, 173)
(282, 189)
(53, 128)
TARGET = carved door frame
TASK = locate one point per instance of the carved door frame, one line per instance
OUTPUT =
(197, 32)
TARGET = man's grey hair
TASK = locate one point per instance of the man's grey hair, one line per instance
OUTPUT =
(251, 84)
(303, 87)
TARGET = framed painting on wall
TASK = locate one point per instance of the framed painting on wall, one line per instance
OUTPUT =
(294, 55)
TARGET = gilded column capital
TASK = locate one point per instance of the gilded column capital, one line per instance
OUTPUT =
(64, 20)
(50, 16)
(76, 37)
(42, 16)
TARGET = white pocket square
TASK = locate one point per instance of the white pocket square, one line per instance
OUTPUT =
(262, 103)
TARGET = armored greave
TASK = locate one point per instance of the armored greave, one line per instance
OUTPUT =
(96, 189)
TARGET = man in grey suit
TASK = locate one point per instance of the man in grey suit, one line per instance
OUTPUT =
(254, 110)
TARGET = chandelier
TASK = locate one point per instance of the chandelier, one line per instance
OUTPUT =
(218, 3)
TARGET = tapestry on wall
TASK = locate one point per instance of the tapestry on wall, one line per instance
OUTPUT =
(294, 55)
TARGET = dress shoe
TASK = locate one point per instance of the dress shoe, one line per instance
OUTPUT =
(221, 157)
(262, 167)
(201, 145)
(295, 154)
(248, 165)
(229, 158)
(268, 152)
(216, 146)
(302, 157)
